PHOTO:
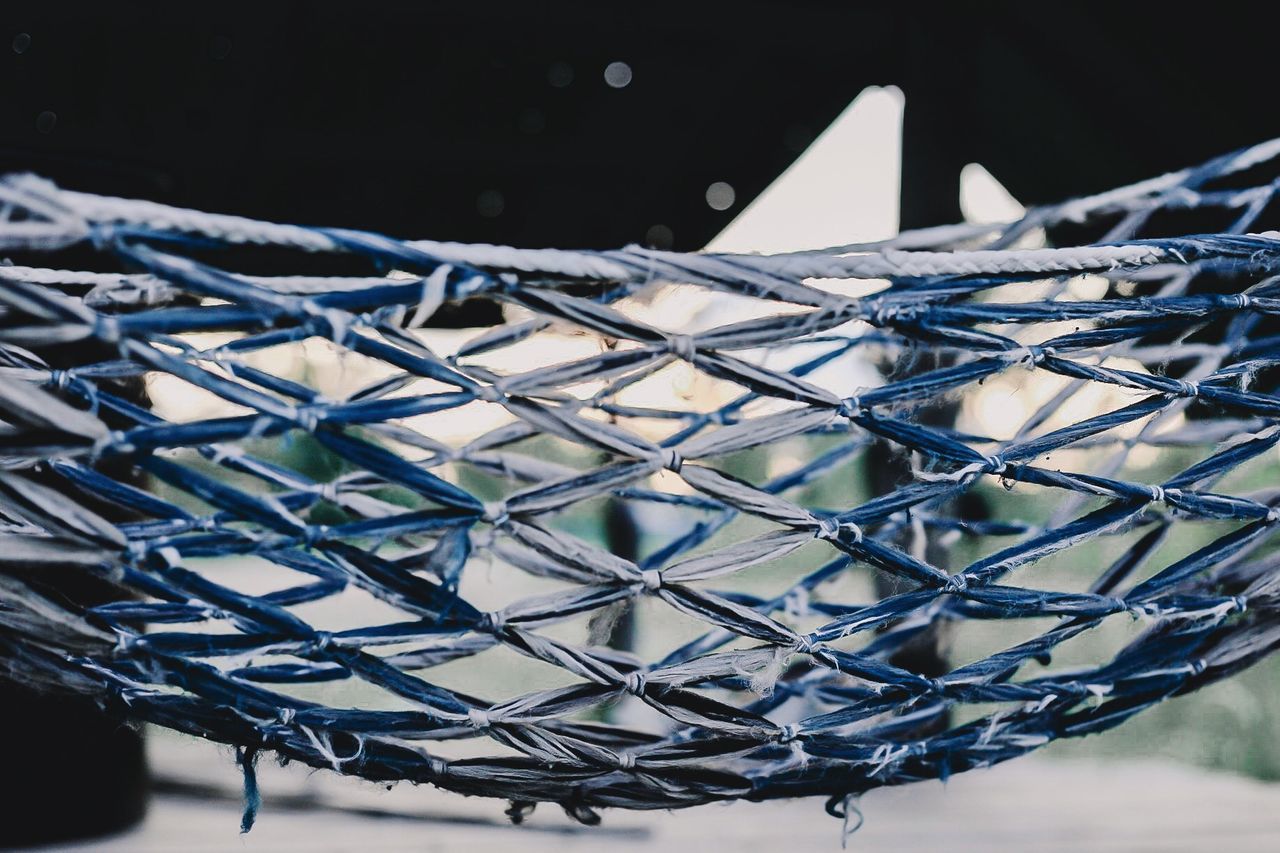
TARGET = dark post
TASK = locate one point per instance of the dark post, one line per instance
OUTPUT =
(933, 154)
(75, 772)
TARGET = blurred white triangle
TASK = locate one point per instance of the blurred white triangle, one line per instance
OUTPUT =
(983, 199)
(842, 189)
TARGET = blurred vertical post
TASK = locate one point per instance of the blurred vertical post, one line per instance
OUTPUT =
(622, 534)
(933, 154)
(78, 771)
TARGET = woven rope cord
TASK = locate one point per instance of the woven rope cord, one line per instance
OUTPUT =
(789, 692)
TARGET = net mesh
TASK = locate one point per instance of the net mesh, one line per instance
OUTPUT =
(667, 534)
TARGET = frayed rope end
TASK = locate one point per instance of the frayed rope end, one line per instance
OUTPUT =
(247, 759)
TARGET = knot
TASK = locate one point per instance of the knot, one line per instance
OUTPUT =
(830, 529)
(135, 552)
(1243, 301)
(437, 766)
(626, 760)
(1031, 355)
(788, 733)
(682, 346)
(652, 579)
(887, 754)
(338, 322)
(1197, 666)
(102, 235)
(1272, 516)
(672, 460)
(328, 492)
(877, 313)
(851, 407)
(1144, 609)
(434, 291)
(995, 464)
(308, 419)
(286, 715)
(957, 583)
(488, 393)
(1241, 602)
(223, 452)
(1188, 389)
(60, 379)
(323, 641)
(634, 682)
(495, 513)
(493, 621)
(106, 328)
(478, 718)
(115, 440)
(126, 643)
(314, 534)
(1157, 493)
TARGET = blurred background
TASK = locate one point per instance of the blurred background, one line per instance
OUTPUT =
(844, 187)
(744, 126)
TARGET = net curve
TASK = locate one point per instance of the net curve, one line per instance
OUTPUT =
(1081, 408)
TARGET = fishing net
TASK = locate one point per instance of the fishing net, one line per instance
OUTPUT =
(676, 527)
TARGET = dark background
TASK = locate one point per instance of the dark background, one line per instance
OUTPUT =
(397, 116)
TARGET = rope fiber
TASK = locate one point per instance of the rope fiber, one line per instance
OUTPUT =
(757, 671)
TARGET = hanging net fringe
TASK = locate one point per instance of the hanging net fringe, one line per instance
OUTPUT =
(1098, 331)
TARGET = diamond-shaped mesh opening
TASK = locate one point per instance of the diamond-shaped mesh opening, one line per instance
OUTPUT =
(682, 528)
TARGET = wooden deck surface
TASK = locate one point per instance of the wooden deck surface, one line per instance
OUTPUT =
(1032, 804)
